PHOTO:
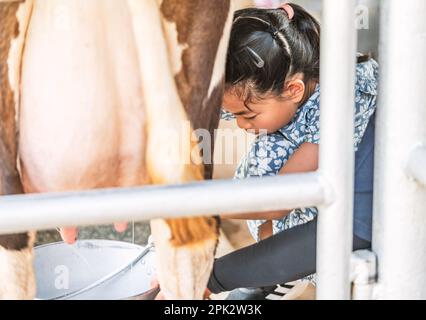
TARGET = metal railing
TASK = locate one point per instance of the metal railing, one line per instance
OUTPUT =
(45, 211)
(337, 155)
(417, 163)
(399, 228)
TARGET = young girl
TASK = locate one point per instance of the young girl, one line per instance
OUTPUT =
(272, 84)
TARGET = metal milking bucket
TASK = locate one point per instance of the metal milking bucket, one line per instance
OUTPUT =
(94, 269)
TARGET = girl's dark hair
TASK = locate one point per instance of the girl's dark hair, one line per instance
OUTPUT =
(266, 48)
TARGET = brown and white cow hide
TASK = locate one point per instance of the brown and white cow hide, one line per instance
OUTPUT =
(87, 91)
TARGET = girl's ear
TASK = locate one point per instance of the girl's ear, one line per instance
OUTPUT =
(295, 90)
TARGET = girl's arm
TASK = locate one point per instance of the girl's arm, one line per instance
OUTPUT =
(305, 159)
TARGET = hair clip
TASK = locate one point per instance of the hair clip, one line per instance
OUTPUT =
(289, 9)
(275, 33)
(259, 62)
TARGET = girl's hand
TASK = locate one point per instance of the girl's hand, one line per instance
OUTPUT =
(70, 234)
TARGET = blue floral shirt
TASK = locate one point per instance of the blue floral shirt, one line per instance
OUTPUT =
(269, 153)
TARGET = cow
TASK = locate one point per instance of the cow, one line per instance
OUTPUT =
(87, 91)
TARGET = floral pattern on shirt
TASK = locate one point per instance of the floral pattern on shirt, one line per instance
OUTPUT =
(269, 153)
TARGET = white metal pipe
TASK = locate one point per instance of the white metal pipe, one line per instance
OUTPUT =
(399, 228)
(338, 57)
(363, 274)
(416, 166)
(45, 211)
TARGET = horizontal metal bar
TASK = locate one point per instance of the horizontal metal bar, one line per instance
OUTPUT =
(21, 213)
(416, 166)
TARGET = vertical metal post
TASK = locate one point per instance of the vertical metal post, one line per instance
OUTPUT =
(399, 229)
(338, 57)
(416, 164)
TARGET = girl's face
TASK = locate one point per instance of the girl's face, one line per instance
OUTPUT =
(269, 114)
